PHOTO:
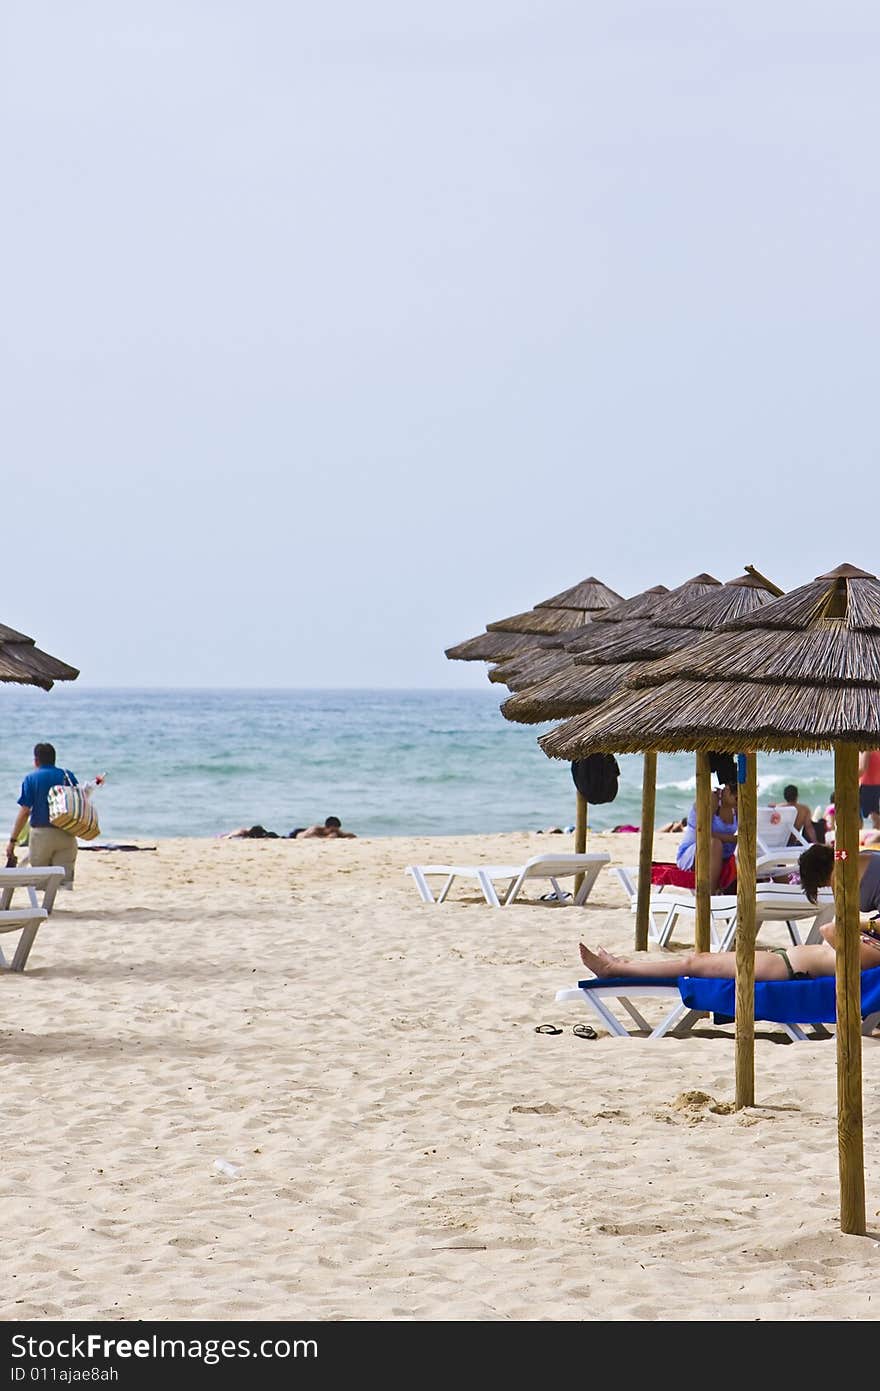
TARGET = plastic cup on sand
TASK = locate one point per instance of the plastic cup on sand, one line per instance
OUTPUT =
(223, 1166)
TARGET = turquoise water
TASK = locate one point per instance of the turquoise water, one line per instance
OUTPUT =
(387, 763)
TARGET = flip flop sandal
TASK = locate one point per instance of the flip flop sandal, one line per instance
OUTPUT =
(547, 1029)
(584, 1031)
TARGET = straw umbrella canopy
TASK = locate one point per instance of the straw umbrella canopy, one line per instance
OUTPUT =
(591, 676)
(628, 638)
(23, 663)
(595, 671)
(801, 673)
(536, 665)
(527, 633)
(562, 613)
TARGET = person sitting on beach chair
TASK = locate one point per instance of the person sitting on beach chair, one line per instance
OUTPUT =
(803, 821)
(722, 871)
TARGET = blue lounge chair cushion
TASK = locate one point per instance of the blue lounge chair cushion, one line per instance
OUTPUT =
(782, 1001)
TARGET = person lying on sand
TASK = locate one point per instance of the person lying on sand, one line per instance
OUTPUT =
(771, 963)
(250, 833)
(331, 830)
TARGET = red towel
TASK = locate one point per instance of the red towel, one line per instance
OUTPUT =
(663, 873)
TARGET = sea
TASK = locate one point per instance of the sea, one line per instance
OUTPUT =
(386, 762)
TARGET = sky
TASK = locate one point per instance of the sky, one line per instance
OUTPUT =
(333, 332)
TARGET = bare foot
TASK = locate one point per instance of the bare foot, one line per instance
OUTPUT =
(600, 961)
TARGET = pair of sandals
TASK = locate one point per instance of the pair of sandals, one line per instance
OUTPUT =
(579, 1030)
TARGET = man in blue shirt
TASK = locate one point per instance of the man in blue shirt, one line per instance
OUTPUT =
(47, 844)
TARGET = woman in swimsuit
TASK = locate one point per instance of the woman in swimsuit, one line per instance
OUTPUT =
(774, 963)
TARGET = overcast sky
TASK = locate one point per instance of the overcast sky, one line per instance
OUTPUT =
(334, 331)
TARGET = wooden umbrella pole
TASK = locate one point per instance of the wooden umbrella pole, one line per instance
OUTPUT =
(746, 857)
(850, 1137)
(646, 849)
(580, 836)
(703, 863)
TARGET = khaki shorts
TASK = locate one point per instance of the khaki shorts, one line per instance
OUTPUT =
(49, 846)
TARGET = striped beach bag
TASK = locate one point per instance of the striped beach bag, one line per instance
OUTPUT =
(70, 809)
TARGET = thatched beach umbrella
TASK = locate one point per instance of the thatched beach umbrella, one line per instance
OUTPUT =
(801, 673)
(23, 663)
(563, 613)
(597, 666)
(699, 606)
(528, 633)
(596, 671)
(536, 665)
(494, 647)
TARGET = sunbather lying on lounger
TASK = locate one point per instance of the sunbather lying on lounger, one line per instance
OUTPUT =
(771, 963)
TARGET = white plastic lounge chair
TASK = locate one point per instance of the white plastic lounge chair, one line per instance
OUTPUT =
(26, 920)
(552, 867)
(786, 903)
(775, 829)
(779, 864)
(670, 903)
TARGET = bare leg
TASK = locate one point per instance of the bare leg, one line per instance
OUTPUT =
(719, 965)
(603, 964)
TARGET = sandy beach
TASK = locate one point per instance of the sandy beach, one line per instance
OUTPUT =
(408, 1146)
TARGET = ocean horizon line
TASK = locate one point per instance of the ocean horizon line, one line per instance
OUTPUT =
(79, 685)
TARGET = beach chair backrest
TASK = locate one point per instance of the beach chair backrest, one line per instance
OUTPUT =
(775, 825)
